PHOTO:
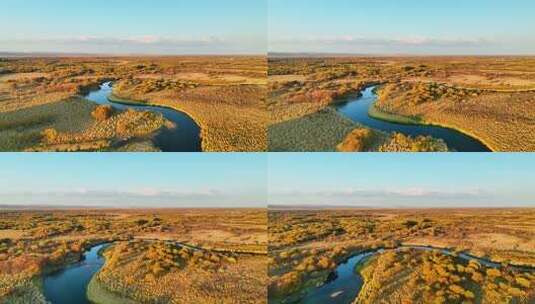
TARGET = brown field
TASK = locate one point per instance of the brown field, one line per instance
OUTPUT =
(490, 98)
(223, 261)
(225, 95)
(306, 245)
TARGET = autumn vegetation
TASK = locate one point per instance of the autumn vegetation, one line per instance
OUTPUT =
(225, 95)
(155, 256)
(305, 246)
(488, 98)
(437, 278)
(366, 140)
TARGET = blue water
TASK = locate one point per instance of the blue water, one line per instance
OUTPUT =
(69, 286)
(186, 137)
(342, 286)
(357, 110)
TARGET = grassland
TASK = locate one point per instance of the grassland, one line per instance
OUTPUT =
(488, 98)
(172, 256)
(305, 246)
(224, 95)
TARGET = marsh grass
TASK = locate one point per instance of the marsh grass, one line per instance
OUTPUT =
(321, 131)
(22, 129)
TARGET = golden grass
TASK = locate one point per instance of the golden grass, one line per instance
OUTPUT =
(501, 120)
(232, 118)
(103, 133)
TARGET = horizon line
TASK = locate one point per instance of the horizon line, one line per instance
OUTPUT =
(323, 207)
(342, 54)
(51, 54)
(78, 54)
(10, 207)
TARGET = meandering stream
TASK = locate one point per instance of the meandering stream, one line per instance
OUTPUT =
(344, 283)
(69, 285)
(357, 110)
(185, 137)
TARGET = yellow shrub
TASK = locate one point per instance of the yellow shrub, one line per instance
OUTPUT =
(356, 141)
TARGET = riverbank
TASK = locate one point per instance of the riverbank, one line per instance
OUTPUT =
(359, 111)
(233, 121)
(376, 113)
(99, 294)
(123, 101)
(500, 121)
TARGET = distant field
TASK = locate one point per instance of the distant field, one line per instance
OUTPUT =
(224, 261)
(489, 98)
(306, 245)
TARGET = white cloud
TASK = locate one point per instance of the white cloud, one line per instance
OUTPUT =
(350, 43)
(126, 41)
(143, 197)
(415, 196)
(141, 44)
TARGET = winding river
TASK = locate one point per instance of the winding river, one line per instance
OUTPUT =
(69, 285)
(185, 137)
(358, 109)
(344, 283)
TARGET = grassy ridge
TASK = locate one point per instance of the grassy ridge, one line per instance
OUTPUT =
(374, 112)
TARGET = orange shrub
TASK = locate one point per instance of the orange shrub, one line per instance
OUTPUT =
(102, 113)
(356, 141)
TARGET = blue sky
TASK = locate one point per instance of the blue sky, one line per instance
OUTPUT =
(134, 26)
(134, 180)
(255, 179)
(402, 180)
(402, 26)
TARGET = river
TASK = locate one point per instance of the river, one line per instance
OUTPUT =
(357, 109)
(185, 137)
(69, 285)
(344, 283)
